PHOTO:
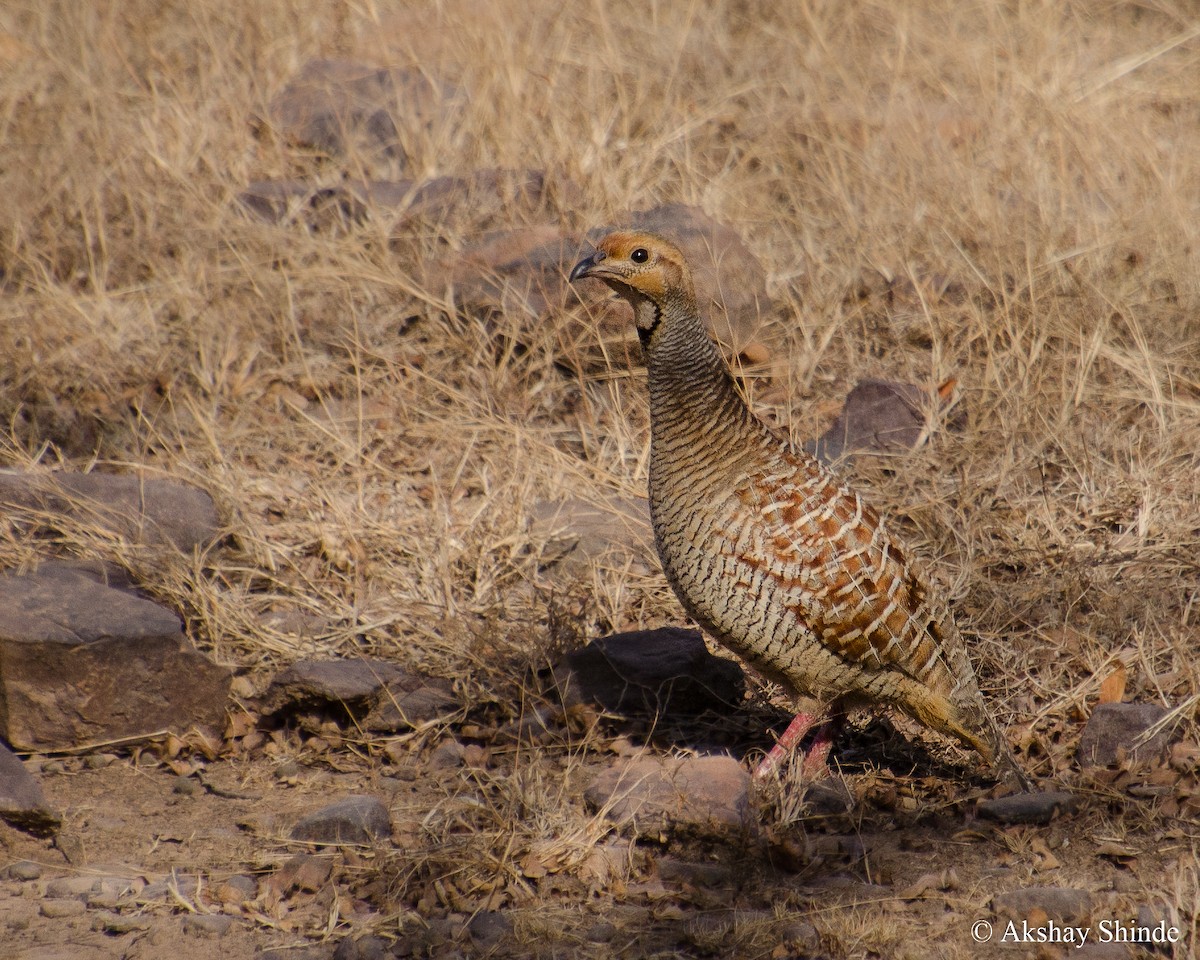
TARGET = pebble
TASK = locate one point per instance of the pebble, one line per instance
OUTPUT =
(24, 870)
(652, 794)
(1065, 904)
(62, 887)
(207, 925)
(1035, 808)
(602, 932)
(488, 927)
(58, 909)
(288, 770)
(236, 889)
(1116, 728)
(447, 755)
(358, 819)
(118, 924)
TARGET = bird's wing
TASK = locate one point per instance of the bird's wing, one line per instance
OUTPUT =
(839, 572)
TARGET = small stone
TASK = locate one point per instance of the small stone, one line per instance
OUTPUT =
(879, 416)
(574, 534)
(364, 948)
(236, 889)
(207, 925)
(118, 924)
(288, 770)
(1101, 951)
(64, 887)
(309, 683)
(358, 819)
(829, 796)
(395, 708)
(652, 795)
(602, 932)
(302, 872)
(488, 928)
(186, 786)
(803, 935)
(664, 671)
(59, 909)
(447, 755)
(1036, 808)
(1114, 728)
(179, 884)
(1065, 904)
(149, 510)
(24, 870)
(671, 870)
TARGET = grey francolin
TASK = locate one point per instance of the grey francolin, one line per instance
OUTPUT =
(767, 550)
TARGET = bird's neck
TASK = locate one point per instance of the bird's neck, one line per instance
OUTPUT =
(693, 398)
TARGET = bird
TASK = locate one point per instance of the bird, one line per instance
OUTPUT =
(769, 551)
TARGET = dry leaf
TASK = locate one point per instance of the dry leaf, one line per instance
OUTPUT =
(1046, 859)
(1112, 688)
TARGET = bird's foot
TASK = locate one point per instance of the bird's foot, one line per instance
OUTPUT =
(816, 757)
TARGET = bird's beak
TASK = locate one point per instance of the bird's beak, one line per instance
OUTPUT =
(585, 266)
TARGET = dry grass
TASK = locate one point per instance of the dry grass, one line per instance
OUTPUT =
(1028, 174)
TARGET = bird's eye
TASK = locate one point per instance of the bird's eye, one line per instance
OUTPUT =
(640, 255)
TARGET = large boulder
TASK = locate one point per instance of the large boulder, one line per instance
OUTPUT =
(82, 662)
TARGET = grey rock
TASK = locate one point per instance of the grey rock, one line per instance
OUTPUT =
(353, 820)
(81, 662)
(61, 909)
(184, 884)
(150, 510)
(653, 795)
(1102, 951)
(1114, 727)
(302, 872)
(23, 870)
(489, 928)
(377, 695)
(320, 952)
(880, 416)
(64, 887)
(342, 108)
(664, 671)
(448, 755)
(364, 948)
(320, 682)
(22, 803)
(602, 932)
(1039, 808)
(1065, 904)
(119, 924)
(574, 534)
(236, 889)
(207, 925)
(395, 708)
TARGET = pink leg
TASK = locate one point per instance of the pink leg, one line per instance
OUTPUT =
(800, 725)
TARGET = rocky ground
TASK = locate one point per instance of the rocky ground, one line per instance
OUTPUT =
(319, 813)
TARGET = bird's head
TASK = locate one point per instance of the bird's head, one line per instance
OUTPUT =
(646, 270)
